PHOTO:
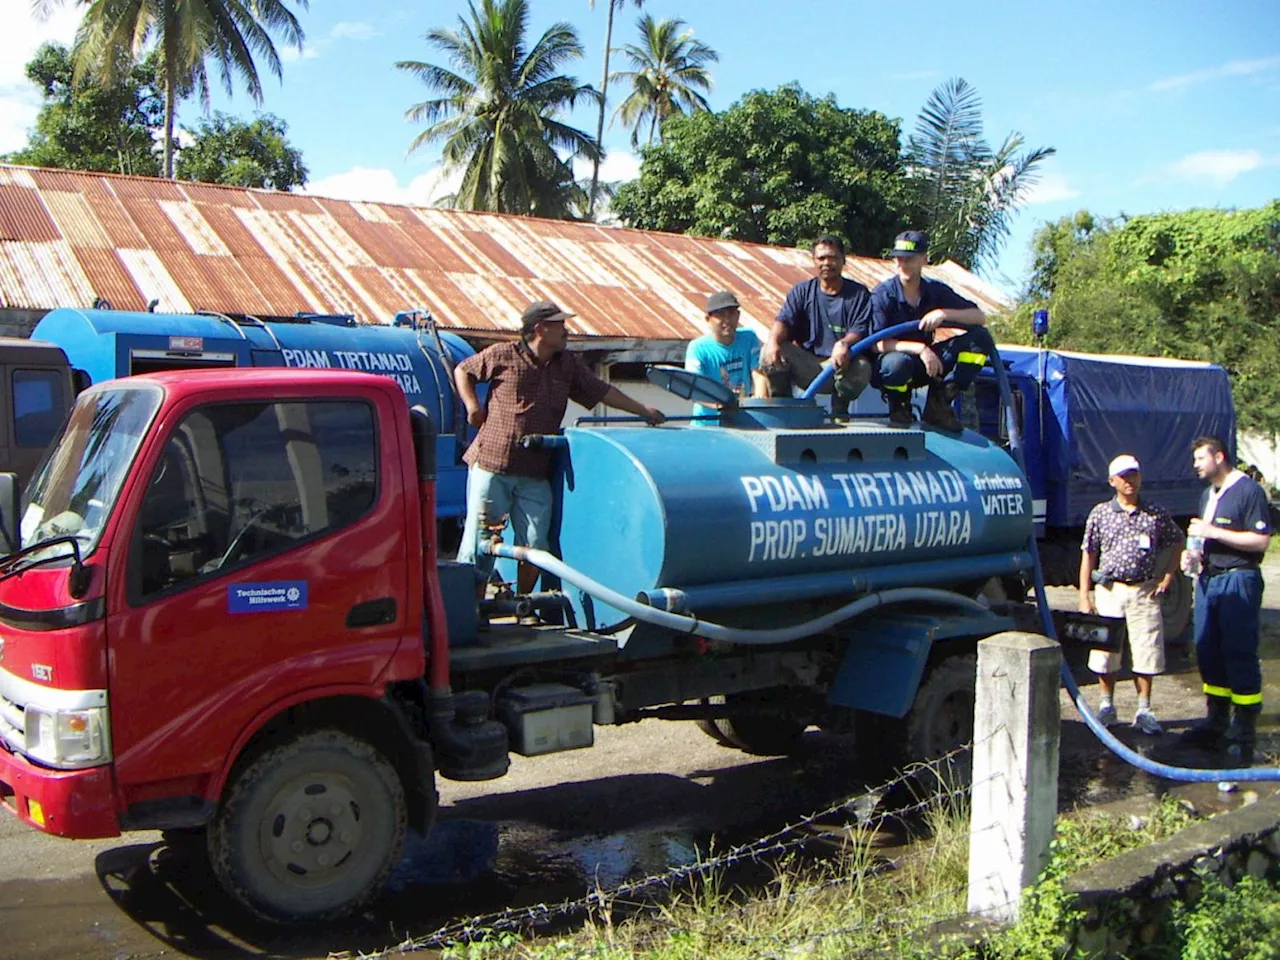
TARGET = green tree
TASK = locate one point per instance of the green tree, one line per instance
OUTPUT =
(669, 76)
(780, 167)
(1197, 284)
(966, 192)
(186, 34)
(498, 111)
(242, 153)
(592, 192)
(92, 126)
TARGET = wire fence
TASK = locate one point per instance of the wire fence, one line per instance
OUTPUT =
(947, 790)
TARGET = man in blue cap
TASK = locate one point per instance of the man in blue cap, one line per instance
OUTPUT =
(927, 356)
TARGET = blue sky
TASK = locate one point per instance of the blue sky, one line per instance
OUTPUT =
(1151, 106)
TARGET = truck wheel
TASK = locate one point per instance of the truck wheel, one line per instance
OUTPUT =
(764, 735)
(310, 830)
(1175, 607)
(709, 727)
(939, 721)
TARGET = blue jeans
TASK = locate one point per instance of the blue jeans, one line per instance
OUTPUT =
(495, 498)
(1226, 625)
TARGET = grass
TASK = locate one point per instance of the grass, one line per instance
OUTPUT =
(850, 905)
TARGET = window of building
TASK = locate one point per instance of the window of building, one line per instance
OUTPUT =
(240, 482)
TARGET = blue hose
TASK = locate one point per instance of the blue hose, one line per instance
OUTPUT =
(1109, 740)
(715, 631)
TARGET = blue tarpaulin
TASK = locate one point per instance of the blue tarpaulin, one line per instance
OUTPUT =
(1101, 406)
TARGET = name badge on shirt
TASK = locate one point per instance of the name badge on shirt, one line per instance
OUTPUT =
(1144, 541)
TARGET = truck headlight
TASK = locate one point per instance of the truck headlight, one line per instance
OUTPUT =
(67, 738)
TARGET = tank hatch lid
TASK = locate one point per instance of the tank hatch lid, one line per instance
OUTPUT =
(859, 443)
(690, 386)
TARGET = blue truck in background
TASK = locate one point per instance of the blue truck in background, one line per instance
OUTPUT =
(1078, 411)
(102, 344)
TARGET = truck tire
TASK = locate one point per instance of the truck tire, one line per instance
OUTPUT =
(709, 727)
(310, 830)
(940, 720)
(1175, 607)
(761, 734)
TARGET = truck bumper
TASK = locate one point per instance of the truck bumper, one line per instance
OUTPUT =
(79, 804)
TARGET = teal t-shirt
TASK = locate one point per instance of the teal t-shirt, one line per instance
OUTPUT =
(730, 364)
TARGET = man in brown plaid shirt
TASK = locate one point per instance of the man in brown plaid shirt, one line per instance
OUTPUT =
(531, 382)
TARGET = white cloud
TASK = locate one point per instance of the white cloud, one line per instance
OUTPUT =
(21, 37)
(1233, 68)
(1052, 187)
(343, 30)
(618, 166)
(379, 185)
(1216, 167)
(353, 30)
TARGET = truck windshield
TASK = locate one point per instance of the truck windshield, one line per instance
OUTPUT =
(75, 489)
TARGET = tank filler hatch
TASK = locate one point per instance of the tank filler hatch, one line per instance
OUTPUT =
(691, 386)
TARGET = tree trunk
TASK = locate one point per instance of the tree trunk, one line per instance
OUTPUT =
(604, 103)
(170, 89)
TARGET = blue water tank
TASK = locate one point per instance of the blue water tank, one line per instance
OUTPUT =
(106, 344)
(677, 507)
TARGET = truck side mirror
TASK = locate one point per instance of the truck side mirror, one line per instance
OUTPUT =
(10, 522)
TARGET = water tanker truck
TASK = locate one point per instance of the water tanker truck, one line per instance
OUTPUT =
(229, 613)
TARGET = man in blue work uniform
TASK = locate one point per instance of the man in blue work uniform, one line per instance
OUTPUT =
(820, 319)
(927, 356)
(1225, 546)
(727, 353)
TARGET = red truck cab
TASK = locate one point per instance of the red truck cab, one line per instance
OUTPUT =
(225, 558)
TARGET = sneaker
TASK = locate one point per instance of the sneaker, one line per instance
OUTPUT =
(1146, 721)
(1107, 716)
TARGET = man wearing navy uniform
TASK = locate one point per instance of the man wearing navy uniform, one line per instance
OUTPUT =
(1235, 528)
(928, 355)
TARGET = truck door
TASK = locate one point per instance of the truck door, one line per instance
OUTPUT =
(266, 557)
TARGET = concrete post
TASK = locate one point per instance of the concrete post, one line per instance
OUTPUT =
(1016, 732)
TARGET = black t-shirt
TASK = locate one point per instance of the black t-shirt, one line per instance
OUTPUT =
(818, 319)
(1242, 506)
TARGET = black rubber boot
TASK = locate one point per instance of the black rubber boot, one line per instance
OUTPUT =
(899, 408)
(1207, 734)
(1246, 724)
(938, 412)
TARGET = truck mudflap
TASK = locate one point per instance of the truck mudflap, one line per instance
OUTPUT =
(885, 661)
(79, 804)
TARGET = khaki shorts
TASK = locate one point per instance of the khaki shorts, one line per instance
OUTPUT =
(1140, 607)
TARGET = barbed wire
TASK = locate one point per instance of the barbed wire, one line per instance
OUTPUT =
(781, 841)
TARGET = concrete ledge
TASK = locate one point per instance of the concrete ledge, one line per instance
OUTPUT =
(1134, 871)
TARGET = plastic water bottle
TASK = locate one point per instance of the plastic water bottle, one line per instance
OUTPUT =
(1193, 562)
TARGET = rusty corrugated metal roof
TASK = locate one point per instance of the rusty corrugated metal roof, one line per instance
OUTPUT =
(67, 237)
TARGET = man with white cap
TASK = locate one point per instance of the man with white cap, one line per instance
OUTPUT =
(1123, 540)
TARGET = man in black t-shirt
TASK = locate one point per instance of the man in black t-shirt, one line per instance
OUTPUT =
(820, 320)
(1225, 547)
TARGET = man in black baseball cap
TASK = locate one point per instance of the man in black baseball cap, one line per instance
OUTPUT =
(932, 353)
(728, 353)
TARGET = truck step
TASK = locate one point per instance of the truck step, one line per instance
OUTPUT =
(508, 646)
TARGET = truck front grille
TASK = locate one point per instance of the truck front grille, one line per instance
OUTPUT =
(12, 723)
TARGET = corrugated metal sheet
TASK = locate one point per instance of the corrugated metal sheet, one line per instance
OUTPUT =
(67, 237)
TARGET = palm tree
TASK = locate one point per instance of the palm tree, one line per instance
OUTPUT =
(497, 111)
(614, 5)
(187, 34)
(670, 70)
(967, 193)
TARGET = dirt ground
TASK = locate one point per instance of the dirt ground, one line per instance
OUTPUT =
(646, 797)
